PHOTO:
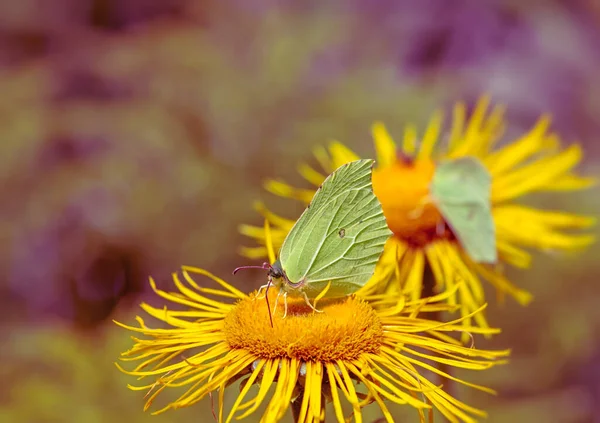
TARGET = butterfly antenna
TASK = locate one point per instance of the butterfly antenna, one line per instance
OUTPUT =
(267, 299)
(265, 266)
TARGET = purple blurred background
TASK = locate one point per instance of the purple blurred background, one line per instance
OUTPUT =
(135, 135)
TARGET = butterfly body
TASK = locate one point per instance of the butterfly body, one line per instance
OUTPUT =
(279, 279)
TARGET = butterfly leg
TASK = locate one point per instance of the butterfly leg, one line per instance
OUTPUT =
(284, 305)
(265, 286)
(276, 302)
(309, 304)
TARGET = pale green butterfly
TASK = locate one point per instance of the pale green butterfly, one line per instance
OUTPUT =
(337, 240)
(461, 189)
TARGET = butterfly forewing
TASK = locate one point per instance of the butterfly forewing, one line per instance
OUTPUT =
(341, 235)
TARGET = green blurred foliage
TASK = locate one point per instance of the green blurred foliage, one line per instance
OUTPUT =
(60, 376)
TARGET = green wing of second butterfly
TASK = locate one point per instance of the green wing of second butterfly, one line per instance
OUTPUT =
(341, 234)
(461, 189)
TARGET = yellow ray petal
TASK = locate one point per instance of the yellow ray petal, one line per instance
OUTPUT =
(384, 145)
(431, 136)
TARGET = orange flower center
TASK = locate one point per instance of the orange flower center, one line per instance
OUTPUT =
(403, 190)
(343, 331)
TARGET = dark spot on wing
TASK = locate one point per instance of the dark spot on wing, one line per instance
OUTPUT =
(471, 213)
(342, 233)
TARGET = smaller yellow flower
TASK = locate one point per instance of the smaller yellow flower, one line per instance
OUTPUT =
(358, 351)
(420, 257)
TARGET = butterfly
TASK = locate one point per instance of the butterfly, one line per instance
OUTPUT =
(461, 189)
(336, 242)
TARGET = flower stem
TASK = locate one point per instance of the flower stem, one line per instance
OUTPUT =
(297, 405)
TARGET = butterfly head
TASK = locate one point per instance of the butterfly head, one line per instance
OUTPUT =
(276, 272)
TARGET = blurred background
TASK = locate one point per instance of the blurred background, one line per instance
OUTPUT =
(135, 135)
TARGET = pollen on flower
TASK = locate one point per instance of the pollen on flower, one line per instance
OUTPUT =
(343, 331)
(403, 190)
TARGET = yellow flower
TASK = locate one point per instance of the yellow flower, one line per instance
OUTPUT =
(419, 253)
(306, 359)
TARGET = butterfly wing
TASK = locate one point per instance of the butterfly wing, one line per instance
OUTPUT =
(461, 189)
(341, 234)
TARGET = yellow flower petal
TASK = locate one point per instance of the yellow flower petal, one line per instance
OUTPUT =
(517, 152)
(409, 145)
(341, 154)
(384, 145)
(431, 136)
